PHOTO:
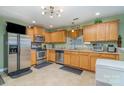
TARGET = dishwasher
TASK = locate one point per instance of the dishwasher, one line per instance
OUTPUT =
(60, 56)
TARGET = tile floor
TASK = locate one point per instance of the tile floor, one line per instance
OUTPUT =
(51, 75)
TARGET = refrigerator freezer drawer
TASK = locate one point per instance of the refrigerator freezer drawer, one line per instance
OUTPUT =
(25, 58)
(12, 64)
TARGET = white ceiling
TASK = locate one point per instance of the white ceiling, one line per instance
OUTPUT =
(84, 13)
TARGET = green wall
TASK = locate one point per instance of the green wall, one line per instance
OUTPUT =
(2, 33)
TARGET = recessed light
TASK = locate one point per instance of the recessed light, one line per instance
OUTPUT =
(43, 13)
(72, 30)
(33, 22)
(51, 26)
(51, 16)
(97, 13)
(42, 7)
(59, 15)
(61, 10)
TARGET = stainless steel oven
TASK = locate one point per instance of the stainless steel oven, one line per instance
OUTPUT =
(41, 54)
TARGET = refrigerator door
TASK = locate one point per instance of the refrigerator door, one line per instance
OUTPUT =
(12, 52)
(25, 51)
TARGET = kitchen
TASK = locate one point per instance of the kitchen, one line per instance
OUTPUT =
(75, 47)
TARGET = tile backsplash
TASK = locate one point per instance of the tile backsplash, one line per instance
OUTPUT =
(78, 43)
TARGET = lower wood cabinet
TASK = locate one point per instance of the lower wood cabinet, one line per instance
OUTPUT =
(93, 58)
(51, 55)
(67, 58)
(33, 57)
(74, 59)
(84, 61)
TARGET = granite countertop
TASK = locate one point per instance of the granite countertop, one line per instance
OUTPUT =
(84, 50)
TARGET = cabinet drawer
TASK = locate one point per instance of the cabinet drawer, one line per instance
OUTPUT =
(110, 56)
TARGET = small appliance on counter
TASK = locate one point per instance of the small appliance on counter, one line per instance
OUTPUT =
(111, 48)
(98, 47)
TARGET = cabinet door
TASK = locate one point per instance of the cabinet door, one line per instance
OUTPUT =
(67, 58)
(52, 54)
(112, 31)
(113, 28)
(61, 36)
(93, 59)
(101, 32)
(84, 61)
(30, 32)
(48, 55)
(86, 33)
(75, 59)
(108, 56)
(90, 33)
(53, 37)
(33, 57)
(47, 37)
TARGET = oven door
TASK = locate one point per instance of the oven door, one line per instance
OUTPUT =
(41, 55)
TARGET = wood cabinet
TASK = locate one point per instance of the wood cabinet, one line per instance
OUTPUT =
(47, 37)
(107, 31)
(101, 32)
(51, 55)
(84, 61)
(74, 59)
(112, 31)
(30, 32)
(109, 56)
(67, 58)
(38, 30)
(33, 57)
(58, 36)
(93, 58)
(90, 33)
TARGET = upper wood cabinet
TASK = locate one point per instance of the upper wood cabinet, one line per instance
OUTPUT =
(112, 31)
(107, 31)
(47, 37)
(38, 30)
(101, 32)
(30, 32)
(58, 36)
(90, 33)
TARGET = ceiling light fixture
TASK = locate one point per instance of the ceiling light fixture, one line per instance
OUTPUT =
(51, 11)
(74, 26)
(51, 26)
(33, 22)
(97, 14)
(72, 30)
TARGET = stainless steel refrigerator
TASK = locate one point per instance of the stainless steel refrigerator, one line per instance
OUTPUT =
(19, 52)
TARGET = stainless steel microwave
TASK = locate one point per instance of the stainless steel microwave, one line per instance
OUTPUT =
(39, 39)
